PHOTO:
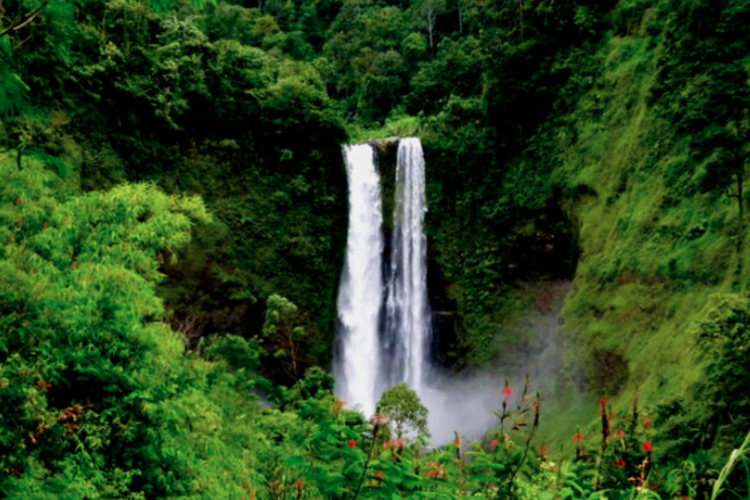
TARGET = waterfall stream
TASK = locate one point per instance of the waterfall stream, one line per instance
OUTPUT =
(407, 311)
(374, 352)
(361, 289)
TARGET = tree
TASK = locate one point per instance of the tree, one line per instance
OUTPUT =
(284, 338)
(427, 14)
(726, 168)
(82, 338)
(407, 416)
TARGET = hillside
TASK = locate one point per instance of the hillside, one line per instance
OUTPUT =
(173, 212)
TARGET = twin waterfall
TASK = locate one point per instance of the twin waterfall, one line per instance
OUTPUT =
(384, 317)
(358, 362)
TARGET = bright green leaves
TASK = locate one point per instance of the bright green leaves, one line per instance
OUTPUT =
(135, 227)
(79, 329)
(236, 351)
(407, 417)
(280, 312)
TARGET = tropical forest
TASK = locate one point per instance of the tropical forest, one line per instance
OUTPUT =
(374, 249)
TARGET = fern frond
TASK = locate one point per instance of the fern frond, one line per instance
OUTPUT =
(13, 91)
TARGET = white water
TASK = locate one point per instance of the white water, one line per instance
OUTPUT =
(385, 341)
(373, 356)
(407, 309)
(361, 287)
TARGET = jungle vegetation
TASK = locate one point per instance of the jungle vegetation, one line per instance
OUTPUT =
(173, 223)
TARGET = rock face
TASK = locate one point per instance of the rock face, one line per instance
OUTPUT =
(386, 152)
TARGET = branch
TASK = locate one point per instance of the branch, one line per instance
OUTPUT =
(534, 427)
(22, 22)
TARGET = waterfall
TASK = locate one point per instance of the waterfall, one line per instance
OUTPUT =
(407, 311)
(373, 354)
(361, 287)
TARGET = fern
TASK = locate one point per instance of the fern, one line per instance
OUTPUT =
(13, 91)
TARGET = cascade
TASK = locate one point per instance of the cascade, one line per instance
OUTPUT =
(357, 364)
(384, 318)
(407, 311)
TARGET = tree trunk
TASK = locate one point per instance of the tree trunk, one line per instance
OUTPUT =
(460, 18)
(740, 226)
(431, 18)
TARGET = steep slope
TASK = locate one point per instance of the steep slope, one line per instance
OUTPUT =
(650, 164)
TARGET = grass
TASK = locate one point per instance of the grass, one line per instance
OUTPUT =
(653, 247)
(395, 126)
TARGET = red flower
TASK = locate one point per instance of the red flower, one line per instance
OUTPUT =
(619, 433)
(44, 385)
(436, 471)
(603, 403)
(507, 391)
(494, 443)
(620, 463)
(352, 444)
(578, 438)
(457, 442)
(396, 443)
(379, 419)
(647, 447)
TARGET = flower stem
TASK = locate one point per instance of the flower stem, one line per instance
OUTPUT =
(367, 462)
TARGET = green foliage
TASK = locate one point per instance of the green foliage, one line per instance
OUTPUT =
(724, 342)
(197, 106)
(740, 455)
(84, 356)
(13, 91)
(285, 340)
(407, 417)
(108, 407)
(236, 351)
(599, 142)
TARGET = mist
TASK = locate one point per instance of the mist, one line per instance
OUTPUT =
(464, 404)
